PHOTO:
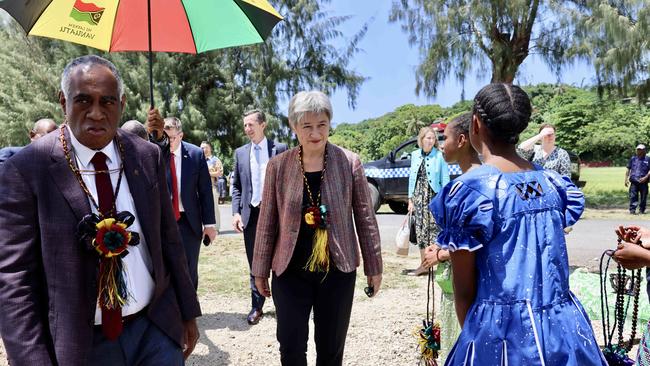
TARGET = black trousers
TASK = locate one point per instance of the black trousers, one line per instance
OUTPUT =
(295, 293)
(638, 196)
(257, 300)
(192, 245)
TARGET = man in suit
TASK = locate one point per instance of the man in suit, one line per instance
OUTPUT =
(41, 128)
(191, 192)
(247, 187)
(52, 313)
(137, 128)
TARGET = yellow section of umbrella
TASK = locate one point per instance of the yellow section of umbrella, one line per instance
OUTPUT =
(94, 28)
(264, 5)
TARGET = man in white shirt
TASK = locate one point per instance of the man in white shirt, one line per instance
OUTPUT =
(247, 186)
(191, 194)
(54, 274)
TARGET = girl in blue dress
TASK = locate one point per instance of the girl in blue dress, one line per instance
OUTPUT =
(503, 223)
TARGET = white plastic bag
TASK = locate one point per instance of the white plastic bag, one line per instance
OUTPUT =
(402, 237)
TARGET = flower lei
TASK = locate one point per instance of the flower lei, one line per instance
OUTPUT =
(428, 335)
(110, 239)
(315, 216)
(107, 235)
(429, 343)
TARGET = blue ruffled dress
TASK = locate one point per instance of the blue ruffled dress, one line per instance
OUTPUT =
(524, 312)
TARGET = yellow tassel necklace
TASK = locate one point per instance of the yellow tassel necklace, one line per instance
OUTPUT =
(315, 217)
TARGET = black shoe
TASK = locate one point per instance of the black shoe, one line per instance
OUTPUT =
(254, 316)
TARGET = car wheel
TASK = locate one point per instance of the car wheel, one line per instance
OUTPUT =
(374, 195)
(400, 208)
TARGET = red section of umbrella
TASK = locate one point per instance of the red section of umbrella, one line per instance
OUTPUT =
(130, 31)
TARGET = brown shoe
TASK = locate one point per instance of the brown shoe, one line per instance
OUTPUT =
(254, 316)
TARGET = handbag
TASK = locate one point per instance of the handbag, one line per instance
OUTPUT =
(443, 277)
(402, 237)
(412, 236)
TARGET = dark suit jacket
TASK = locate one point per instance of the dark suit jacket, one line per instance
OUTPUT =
(350, 214)
(7, 152)
(48, 279)
(242, 188)
(196, 188)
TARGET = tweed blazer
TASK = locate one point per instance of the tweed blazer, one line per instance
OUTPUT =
(345, 193)
(48, 291)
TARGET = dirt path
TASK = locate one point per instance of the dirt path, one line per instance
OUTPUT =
(380, 333)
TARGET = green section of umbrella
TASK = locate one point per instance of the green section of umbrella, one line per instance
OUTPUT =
(586, 286)
(206, 17)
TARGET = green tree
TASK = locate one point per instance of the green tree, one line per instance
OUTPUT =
(456, 37)
(614, 35)
(29, 88)
(210, 91)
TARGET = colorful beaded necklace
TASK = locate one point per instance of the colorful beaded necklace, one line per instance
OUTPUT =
(315, 216)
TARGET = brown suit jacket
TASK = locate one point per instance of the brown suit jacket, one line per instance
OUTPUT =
(48, 279)
(344, 192)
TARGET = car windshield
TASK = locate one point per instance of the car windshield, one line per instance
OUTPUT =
(404, 153)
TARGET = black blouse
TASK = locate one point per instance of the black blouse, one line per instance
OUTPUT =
(305, 240)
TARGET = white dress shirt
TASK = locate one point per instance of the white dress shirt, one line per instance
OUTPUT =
(178, 161)
(138, 268)
(258, 187)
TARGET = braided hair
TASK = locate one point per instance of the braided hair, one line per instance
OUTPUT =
(505, 109)
(461, 123)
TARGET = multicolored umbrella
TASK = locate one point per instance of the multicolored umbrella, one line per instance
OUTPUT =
(188, 26)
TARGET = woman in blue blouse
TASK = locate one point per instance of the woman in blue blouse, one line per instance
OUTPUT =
(504, 224)
(429, 173)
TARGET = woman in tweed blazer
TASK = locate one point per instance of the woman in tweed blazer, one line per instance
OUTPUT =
(314, 174)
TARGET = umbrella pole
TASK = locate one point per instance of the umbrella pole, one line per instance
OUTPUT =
(150, 78)
(150, 54)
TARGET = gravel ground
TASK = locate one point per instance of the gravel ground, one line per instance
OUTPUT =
(380, 332)
(381, 329)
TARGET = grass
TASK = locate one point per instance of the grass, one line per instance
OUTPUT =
(605, 193)
(605, 188)
(223, 270)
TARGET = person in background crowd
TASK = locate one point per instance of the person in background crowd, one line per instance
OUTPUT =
(231, 179)
(547, 155)
(216, 170)
(52, 311)
(455, 148)
(41, 128)
(503, 224)
(221, 186)
(137, 128)
(636, 177)
(249, 177)
(428, 174)
(314, 251)
(191, 193)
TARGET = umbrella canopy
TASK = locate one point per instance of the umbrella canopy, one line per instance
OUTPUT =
(189, 26)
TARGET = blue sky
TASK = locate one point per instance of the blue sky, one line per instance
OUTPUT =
(389, 62)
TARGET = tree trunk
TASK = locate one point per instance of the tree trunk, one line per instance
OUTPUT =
(507, 56)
